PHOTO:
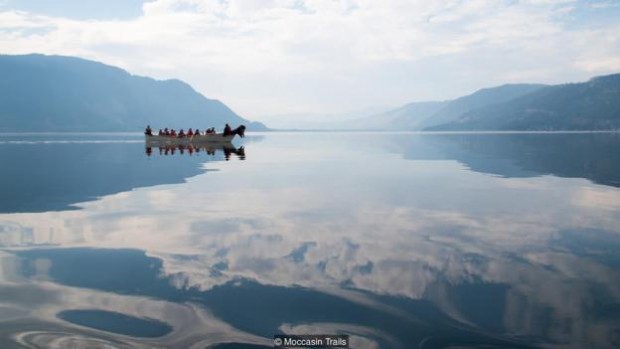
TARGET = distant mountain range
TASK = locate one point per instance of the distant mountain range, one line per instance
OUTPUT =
(56, 93)
(592, 105)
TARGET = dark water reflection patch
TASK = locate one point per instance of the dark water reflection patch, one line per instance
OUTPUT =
(595, 244)
(116, 323)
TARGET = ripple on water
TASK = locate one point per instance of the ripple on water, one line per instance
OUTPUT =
(116, 323)
(64, 340)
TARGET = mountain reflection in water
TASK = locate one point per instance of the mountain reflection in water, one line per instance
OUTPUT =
(54, 172)
(399, 240)
(577, 155)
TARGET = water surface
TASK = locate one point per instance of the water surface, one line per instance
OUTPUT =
(399, 240)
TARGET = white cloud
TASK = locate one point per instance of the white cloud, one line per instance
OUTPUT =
(270, 57)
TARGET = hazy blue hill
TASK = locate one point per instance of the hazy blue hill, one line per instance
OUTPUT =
(408, 117)
(56, 93)
(485, 97)
(592, 105)
(420, 115)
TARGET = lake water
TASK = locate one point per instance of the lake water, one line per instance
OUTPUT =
(398, 240)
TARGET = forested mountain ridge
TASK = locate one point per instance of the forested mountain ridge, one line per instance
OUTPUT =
(42, 93)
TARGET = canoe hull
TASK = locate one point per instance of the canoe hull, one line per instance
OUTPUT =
(216, 138)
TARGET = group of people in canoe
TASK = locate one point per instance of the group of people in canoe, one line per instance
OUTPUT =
(182, 134)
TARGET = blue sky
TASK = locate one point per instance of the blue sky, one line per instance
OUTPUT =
(277, 60)
(78, 9)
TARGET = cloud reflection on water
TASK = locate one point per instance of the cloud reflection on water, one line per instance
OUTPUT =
(422, 230)
(32, 317)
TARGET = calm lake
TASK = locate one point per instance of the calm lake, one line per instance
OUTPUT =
(400, 240)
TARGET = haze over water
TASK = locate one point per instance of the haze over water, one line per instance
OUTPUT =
(400, 240)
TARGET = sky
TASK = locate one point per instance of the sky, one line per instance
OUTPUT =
(271, 60)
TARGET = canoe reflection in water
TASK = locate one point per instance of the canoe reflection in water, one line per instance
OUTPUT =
(191, 149)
